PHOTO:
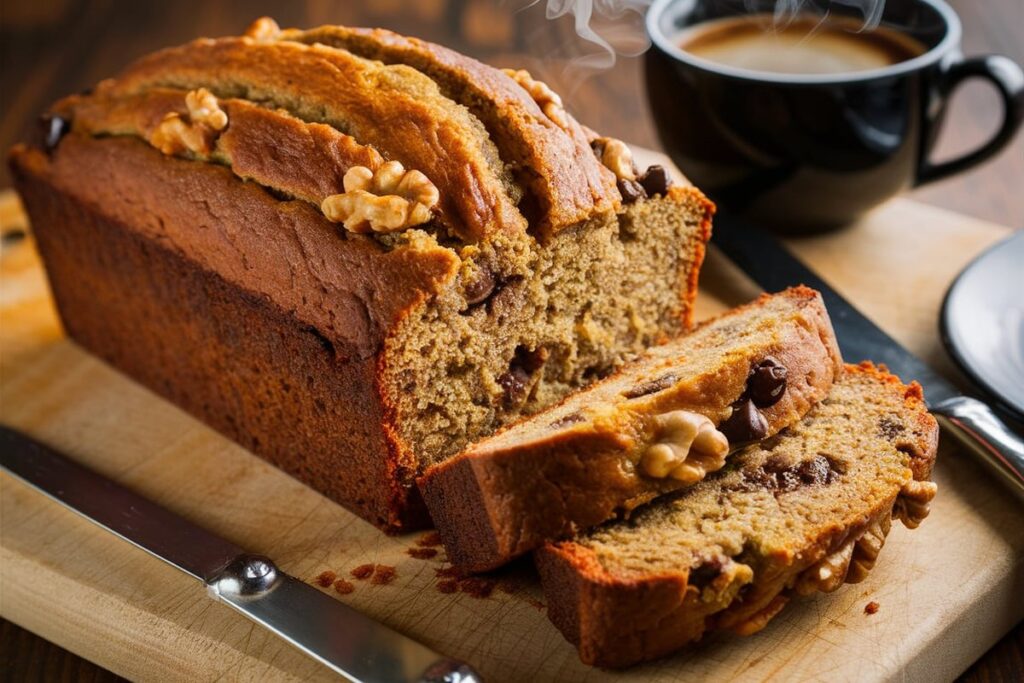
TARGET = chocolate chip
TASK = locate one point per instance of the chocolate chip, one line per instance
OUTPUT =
(767, 382)
(52, 129)
(815, 471)
(652, 386)
(705, 573)
(516, 382)
(746, 424)
(890, 427)
(566, 420)
(655, 180)
(481, 288)
(630, 190)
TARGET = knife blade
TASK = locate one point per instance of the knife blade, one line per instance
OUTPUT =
(973, 423)
(350, 643)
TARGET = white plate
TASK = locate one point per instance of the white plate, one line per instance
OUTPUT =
(983, 321)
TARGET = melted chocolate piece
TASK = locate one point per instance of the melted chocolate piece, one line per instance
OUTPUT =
(481, 288)
(746, 424)
(630, 190)
(767, 382)
(890, 427)
(779, 477)
(652, 386)
(566, 420)
(655, 180)
(516, 382)
(52, 129)
(705, 573)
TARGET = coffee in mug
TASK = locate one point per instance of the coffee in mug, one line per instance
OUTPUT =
(803, 45)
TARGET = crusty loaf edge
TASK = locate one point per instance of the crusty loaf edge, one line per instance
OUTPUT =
(491, 506)
(594, 608)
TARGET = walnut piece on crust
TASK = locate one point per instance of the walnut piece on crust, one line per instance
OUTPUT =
(912, 503)
(546, 98)
(386, 200)
(616, 156)
(688, 447)
(850, 563)
(263, 30)
(196, 131)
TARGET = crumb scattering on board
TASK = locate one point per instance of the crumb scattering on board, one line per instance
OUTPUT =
(363, 571)
(326, 578)
(431, 540)
(448, 586)
(422, 553)
(383, 575)
(344, 587)
(871, 607)
(452, 580)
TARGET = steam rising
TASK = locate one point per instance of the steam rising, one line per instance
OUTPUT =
(616, 27)
(787, 10)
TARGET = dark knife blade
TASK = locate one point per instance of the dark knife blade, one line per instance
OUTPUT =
(762, 257)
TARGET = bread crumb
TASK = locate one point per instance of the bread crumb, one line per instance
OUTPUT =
(422, 553)
(383, 575)
(477, 587)
(326, 578)
(431, 540)
(344, 587)
(363, 571)
(448, 586)
(536, 604)
(871, 607)
(448, 573)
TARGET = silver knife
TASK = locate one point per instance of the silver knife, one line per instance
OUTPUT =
(969, 420)
(353, 645)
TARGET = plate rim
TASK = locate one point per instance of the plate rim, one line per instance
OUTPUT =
(951, 347)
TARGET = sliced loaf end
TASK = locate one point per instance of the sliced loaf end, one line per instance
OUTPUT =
(805, 511)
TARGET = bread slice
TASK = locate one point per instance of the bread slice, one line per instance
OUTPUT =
(802, 512)
(183, 210)
(602, 451)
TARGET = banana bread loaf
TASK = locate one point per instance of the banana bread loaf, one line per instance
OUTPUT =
(802, 512)
(352, 252)
(659, 424)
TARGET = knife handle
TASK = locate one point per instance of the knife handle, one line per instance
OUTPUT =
(975, 425)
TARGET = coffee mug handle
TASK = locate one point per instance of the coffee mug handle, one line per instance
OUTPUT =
(1008, 78)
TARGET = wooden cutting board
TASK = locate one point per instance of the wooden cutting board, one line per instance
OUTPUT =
(946, 592)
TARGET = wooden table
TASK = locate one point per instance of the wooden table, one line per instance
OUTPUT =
(52, 47)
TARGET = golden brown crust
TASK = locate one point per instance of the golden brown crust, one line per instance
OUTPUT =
(556, 164)
(309, 160)
(394, 109)
(327, 301)
(620, 618)
(501, 499)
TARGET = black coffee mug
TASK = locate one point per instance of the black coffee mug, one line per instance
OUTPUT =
(810, 152)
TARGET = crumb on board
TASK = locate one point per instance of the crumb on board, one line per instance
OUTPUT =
(383, 575)
(448, 586)
(871, 607)
(344, 587)
(421, 553)
(452, 580)
(363, 571)
(326, 578)
(431, 540)
(477, 587)
(448, 573)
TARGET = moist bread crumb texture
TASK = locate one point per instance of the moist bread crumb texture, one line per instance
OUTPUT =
(802, 512)
(436, 242)
(649, 429)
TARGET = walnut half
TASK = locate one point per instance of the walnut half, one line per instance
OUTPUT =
(386, 200)
(546, 98)
(196, 131)
(688, 447)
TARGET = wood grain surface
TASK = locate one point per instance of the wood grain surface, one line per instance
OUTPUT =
(51, 47)
(77, 585)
